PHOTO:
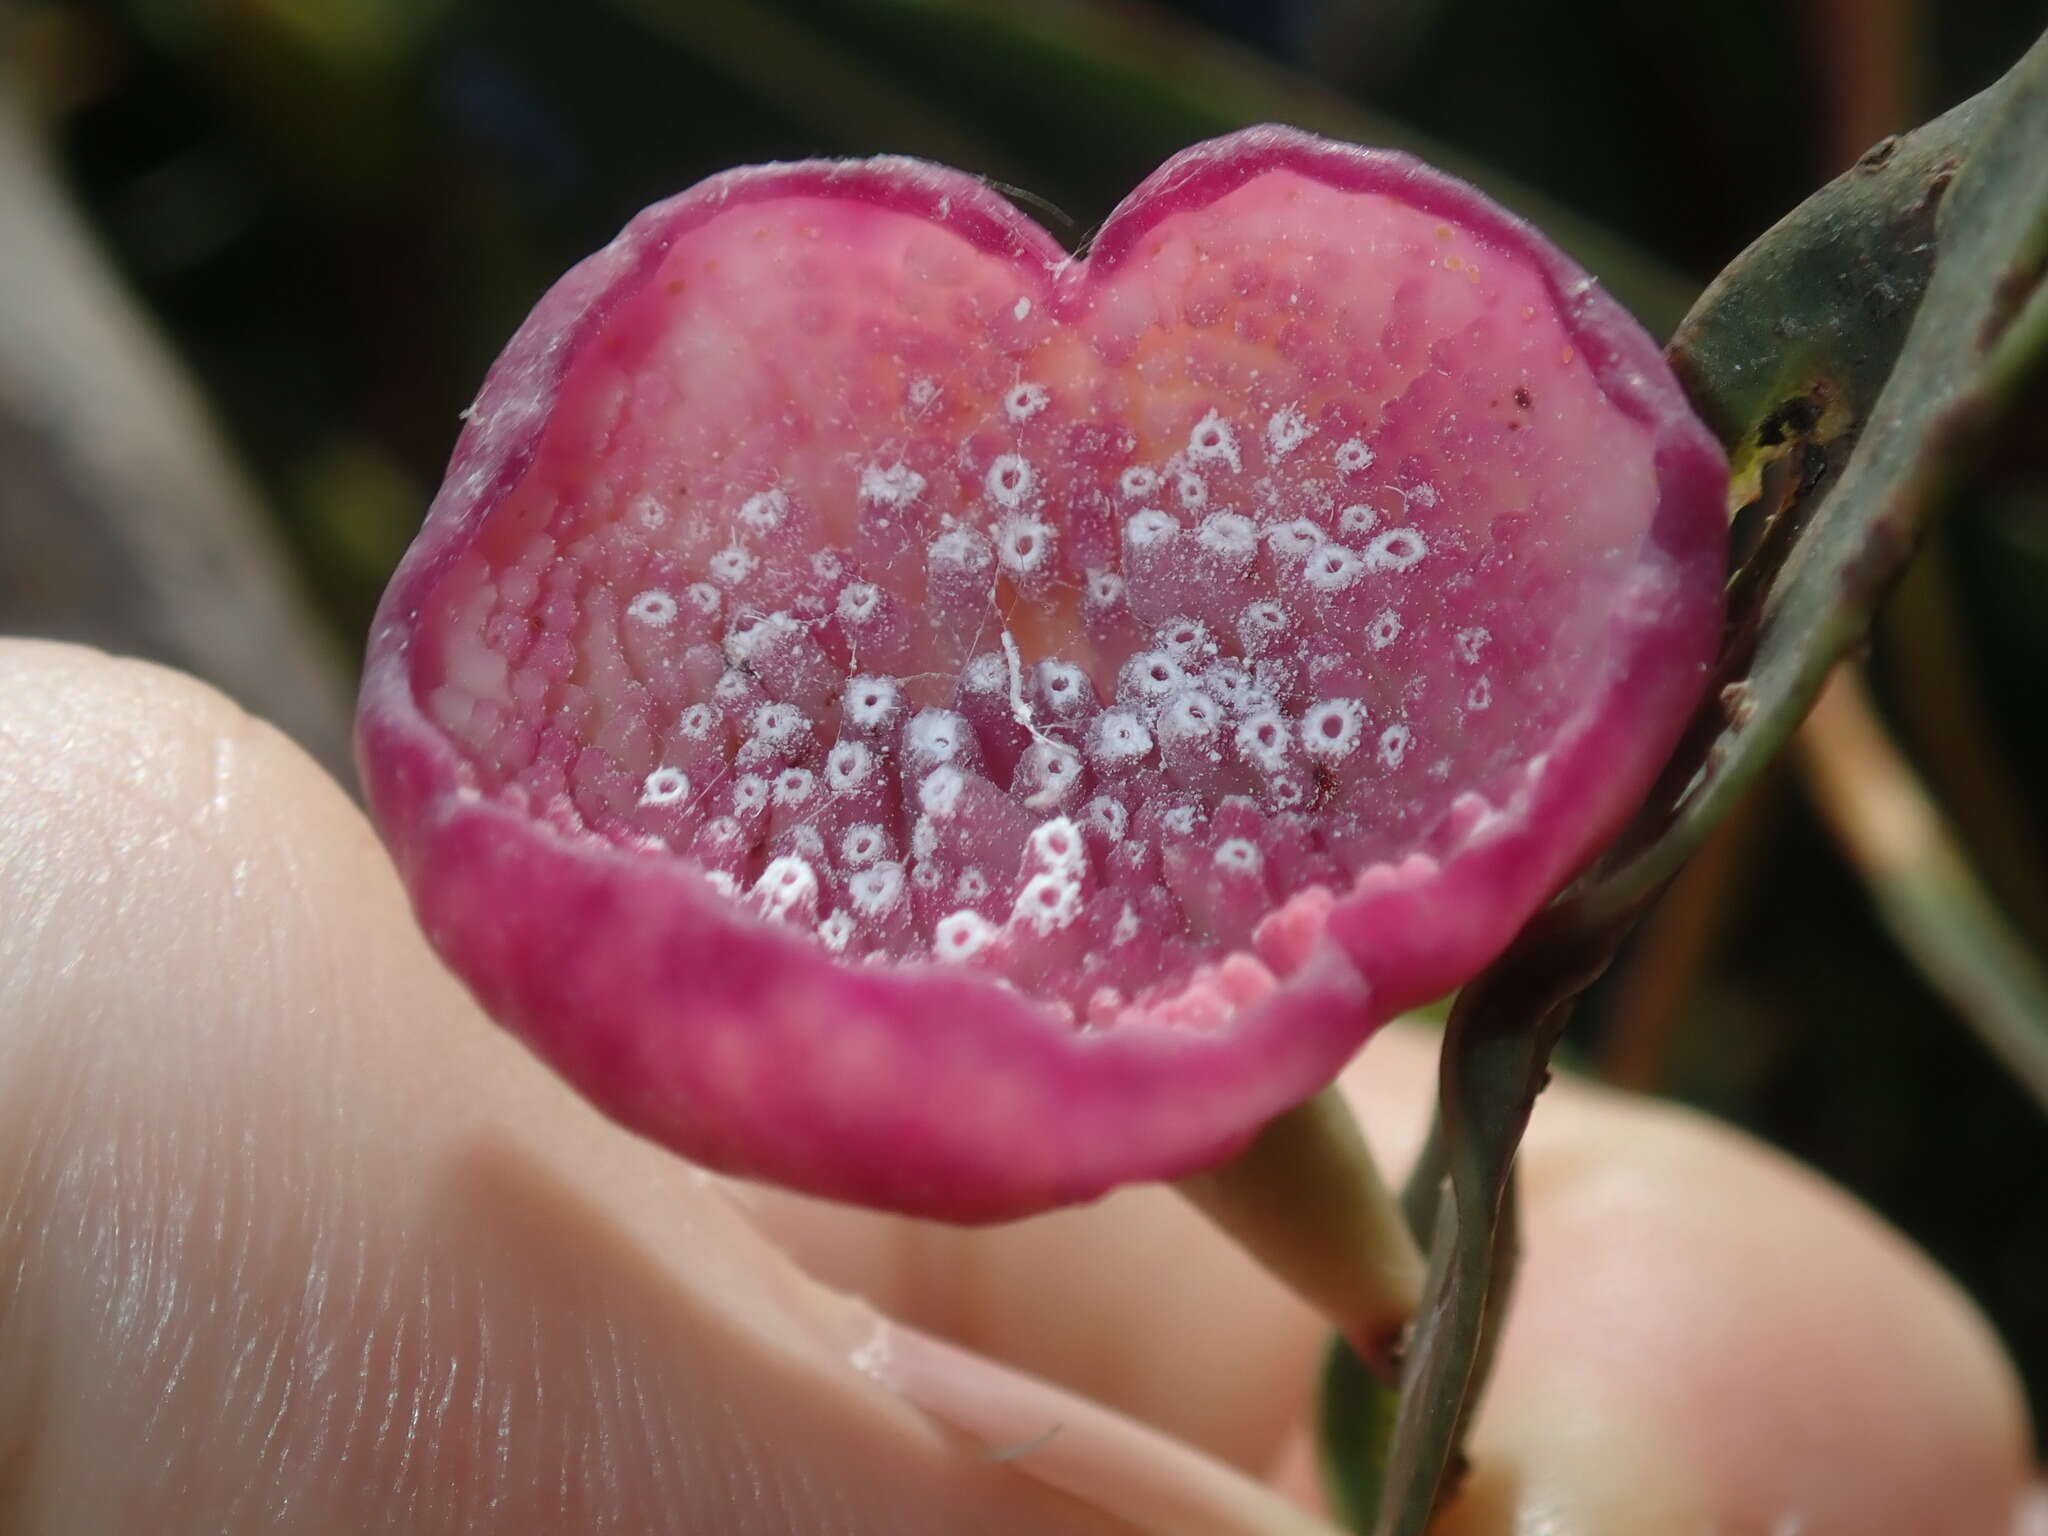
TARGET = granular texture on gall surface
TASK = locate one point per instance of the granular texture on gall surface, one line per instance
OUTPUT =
(884, 705)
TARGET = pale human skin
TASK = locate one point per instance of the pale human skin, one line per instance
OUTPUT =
(292, 1239)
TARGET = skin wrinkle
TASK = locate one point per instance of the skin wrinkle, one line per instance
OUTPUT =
(259, 1373)
(118, 1295)
(43, 1167)
(326, 1308)
(431, 1436)
(752, 1499)
(484, 1494)
(648, 1424)
(414, 1383)
(605, 1384)
(278, 1380)
(267, 1375)
(25, 1348)
(537, 1395)
(258, 1256)
(145, 1256)
(400, 1394)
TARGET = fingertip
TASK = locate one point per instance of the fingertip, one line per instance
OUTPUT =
(1704, 1330)
(81, 722)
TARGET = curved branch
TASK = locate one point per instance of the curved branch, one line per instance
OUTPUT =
(1924, 888)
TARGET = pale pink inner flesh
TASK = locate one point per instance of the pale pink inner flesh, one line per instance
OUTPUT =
(1066, 647)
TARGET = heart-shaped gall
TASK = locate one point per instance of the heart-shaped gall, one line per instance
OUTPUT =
(888, 706)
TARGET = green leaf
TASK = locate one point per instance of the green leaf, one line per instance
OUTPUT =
(1070, 100)
(1353, 1434)
(1854, 359)
(833, 86)
(1793, 342)
(1866, 466)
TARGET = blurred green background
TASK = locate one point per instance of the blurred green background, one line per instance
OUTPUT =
(336, 211)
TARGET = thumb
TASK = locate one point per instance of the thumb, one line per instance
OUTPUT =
(292, 1240)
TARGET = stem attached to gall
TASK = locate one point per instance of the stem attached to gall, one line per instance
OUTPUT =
(1307, 1201)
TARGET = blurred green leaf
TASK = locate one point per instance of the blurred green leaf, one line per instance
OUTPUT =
(1135, 58)
(1353, 1432)
(804, 72)
(357, 509)
(329, 80)
(371, 36)
(1072, 100)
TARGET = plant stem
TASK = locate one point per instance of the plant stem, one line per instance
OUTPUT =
(1948, 725)
(1924, 888)
(1307, 1201)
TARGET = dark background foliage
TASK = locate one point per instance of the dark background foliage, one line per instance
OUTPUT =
(338, 209)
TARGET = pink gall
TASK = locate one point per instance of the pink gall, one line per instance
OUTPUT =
(887, 706)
